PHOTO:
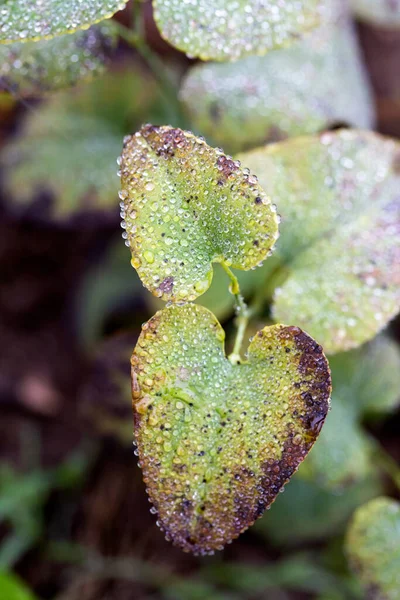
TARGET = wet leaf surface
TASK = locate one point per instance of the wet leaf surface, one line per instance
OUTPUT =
(187, 205)
(23, 20)
(33, 68)
(338, 197)
(378, 12)
(68, 146)
(222, 30)
(373, 546)
(218, 441)
(309, 86)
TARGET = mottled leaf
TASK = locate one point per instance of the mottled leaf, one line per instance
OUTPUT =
(217, 441)
(187, 205)
(379, 12)
(32, 68)
(338, 197)
(222, 30)
(68, 146)
(373, 546)
(309, 86)
(23, 20)
(307, 512)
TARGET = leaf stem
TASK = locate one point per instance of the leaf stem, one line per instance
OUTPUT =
(243, 315)
(136, 40)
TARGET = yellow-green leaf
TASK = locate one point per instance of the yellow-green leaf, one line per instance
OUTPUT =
(373, 547)
(217, 441)
(33, 68)
(338, 197)
(309, 86)
(23, 20)
(223, 30)
(187, 205)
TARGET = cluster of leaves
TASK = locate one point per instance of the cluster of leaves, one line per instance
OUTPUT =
(219, 437)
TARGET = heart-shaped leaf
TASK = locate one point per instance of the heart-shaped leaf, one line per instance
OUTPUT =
(380, 12)
(338, 197)
(307, 87)
(187, 205)
(32, 68)
(373, 546)
(217, 441)
(23, 20)
(223, 30)
(67, 147)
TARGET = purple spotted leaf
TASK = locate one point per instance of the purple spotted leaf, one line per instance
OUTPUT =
(217, 441)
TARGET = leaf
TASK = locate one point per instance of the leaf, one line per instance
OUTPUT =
(307, 512)
(68, 146)
(379, 12)
(338, 197)
(218, 441)
(12, 588)
(373, 546)
(224, 30)
(187, 205)
(309, 86)
(32, 68)
(23, 20)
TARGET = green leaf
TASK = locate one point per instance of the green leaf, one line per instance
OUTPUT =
(68, 146)
(217, 441)
(224, 30)
(312, 85)
(338, 197)
(307, 512)
(379, 12)
(12, 588)
(187, 205)
(33, 68)
(23, 20)
(373, 546)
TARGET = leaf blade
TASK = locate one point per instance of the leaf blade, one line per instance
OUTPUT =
(187, 205)
(209, 473)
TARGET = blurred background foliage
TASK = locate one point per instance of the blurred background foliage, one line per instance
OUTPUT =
(74, 518)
